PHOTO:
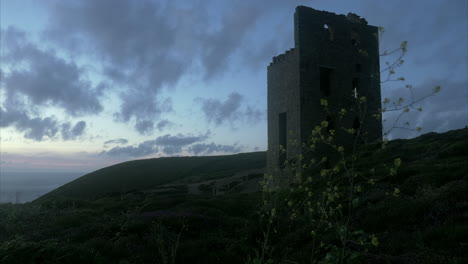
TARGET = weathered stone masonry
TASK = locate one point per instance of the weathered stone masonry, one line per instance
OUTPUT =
(335, 57)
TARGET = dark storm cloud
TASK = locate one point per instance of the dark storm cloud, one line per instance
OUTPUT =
(34, 128)
(446, 110)
(153, 37)
(229, 110)
(146, 46)
(43, 78)
(71, 133)
(203, 148)
(136, 41)
(121, 141)
(167, 144)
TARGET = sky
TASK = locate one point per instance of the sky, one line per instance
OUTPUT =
(87, 84)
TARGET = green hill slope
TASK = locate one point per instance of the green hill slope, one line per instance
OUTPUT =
(147, 174)
(425, 222)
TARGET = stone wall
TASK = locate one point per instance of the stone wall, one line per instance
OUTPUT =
(333, 55)
(283, 95)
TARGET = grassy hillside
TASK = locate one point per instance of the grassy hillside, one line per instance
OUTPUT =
(150, 173)
(426, 221)
(417, 215)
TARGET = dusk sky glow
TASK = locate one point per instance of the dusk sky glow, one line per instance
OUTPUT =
(87, 84)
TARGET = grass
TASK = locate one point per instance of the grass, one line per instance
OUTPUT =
(426, 223)
(144, 174)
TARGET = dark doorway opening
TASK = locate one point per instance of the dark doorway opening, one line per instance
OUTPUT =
(326, 81)
(356, 125)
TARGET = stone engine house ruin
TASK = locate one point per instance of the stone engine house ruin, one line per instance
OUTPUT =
(335, 57)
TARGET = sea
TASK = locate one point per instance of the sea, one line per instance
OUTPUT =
(23, 187)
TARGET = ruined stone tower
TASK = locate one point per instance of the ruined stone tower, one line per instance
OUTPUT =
(335, 57)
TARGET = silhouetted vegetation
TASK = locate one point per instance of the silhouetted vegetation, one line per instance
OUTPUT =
(425, 221)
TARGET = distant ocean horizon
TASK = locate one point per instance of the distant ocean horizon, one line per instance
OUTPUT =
(23, 187)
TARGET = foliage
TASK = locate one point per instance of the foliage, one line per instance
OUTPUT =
(424, 223)
(379, 204)
(332, 203)
(144, 174)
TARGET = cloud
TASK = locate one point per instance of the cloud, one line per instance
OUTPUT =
(148, 46)
(253, 115)
(42, 78)
(206, 149)
(144, 126)
(173, 144)
(138, 45)
(34, 128)
(143, 149)
(71, 133)
(148, 35)
(229, 110)
(144, 108)
(163, 124)
(234, 26)
(219, 112)
(38, 128)
(121, 141)
(166, 144)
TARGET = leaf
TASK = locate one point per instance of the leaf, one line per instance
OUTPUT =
(324, 102)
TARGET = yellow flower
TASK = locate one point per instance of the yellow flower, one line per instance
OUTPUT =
(374, 241)
(323, 102)
(358, 188)
(397, 162)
